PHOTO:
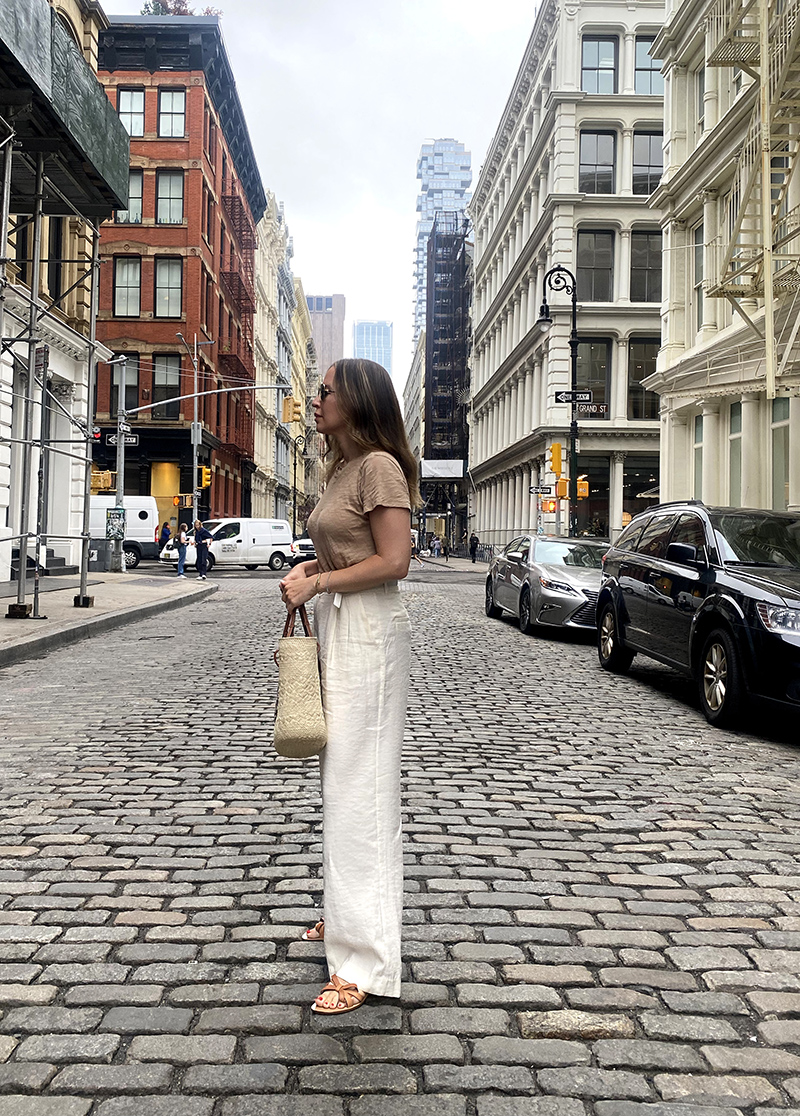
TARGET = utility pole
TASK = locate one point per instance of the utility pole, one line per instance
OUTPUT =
(83, 600)
(197, 433)
(118, 556)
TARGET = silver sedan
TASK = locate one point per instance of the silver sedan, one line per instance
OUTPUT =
(546, 581)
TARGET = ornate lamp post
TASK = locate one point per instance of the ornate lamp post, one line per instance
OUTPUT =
(560, 278)
(298, 441)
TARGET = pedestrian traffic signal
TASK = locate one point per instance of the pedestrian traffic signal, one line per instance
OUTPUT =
(583, 489)
(205, 477)
(176, 501)
(298, 413)
(287, 409)
(555, 459)
(550, 506)
(562, 488)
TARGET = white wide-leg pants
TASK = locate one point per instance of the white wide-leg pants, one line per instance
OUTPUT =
(365, 641)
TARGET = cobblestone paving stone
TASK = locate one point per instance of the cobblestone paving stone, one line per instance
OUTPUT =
(602, 910)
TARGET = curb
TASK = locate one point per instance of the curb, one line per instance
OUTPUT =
(38, 645)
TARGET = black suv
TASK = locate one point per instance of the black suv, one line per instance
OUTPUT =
(714, 592)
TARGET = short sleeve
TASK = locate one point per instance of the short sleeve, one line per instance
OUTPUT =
(382, 483)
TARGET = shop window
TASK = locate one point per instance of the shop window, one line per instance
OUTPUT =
(133, 214)
(642, 354)
(735, 456)
(647, 77)
(130, 108)
(646, 267)
(595, 266)
(172, 113)
(169, 197)
(597, 160)
(168, 288)
(780, 454)
(648, 161)
(127, 286)
(599, 64)
(640, 481)
(166, 385)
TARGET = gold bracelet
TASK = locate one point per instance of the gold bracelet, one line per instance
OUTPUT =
(316, 583)
(328, 583)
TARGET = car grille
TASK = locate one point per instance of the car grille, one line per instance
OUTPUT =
(586, 613)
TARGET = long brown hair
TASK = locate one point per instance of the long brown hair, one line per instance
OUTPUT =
(369, 406)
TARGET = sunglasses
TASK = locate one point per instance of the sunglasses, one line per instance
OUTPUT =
(324, 392)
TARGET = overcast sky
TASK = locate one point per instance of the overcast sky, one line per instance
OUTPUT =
(338, 96)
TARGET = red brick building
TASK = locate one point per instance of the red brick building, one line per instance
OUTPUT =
(180, 259)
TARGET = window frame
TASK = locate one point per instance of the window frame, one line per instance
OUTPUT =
(698, 276)
(648, 272)
(122, 113)
(122, 216)
(169, 402)
(159, 263)
(171, 115)
(651, 72)
(131, 384)
(583, 296)
(651, 185)
(127, 287)
(634, 387)
(586, 383)
(583, 174)
(164, 174)
(597, 70)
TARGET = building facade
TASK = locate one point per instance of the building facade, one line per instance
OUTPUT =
(444, 170)
(271, 238)
(327, 324)
(285, 352)
(306, 443)
(373, 341)
(566, 181)
(179, 264)
(730, 396)
(414, 399)
(55, 121)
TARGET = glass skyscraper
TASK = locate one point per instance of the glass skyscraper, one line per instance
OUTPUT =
(444, 168)
(373, 341)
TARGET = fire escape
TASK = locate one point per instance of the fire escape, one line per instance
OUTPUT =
(760, 224)
(236, 362)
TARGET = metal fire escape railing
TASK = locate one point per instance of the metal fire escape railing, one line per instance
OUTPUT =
(760, 228)
(238, 360)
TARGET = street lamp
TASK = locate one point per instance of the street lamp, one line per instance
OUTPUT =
(560, 278)
(298, 441)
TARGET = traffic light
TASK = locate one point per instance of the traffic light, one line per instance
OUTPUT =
(550, 506)
(205, 477)
(555, 459)
(287, 409)
(176, 501)
(583, 489)
(298, 413)
(562, 488)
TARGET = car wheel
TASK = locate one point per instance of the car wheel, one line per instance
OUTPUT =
(525, 623)
(211, 562)
(719, 679)
(492, 611)
(612, 654)
(132, 558)
(251, 567)
(276, 561)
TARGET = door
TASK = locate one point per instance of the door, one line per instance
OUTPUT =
(229, 544)
(517, 571)
(503, 594)
(678, 590)
(635, 577)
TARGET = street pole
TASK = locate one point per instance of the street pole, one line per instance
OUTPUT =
(298, 441)
(83, 600)
(195, 441)
(118, 558)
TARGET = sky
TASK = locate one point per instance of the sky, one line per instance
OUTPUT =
(339, 95)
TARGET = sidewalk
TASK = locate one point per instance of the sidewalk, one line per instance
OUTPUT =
(118, 599)
(462, 564)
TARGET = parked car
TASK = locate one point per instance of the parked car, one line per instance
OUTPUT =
(303, 550)
(142, 525)
(240, 542)
(546, 581)
(713, 592)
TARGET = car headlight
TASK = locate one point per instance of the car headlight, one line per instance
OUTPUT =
(779, 618)
(557, 586)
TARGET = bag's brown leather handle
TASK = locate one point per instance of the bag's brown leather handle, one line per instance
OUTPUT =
(288, 628)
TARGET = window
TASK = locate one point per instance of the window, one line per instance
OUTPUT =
(698, 239)
(597, 158)
(647, 77)
(169, 281)
(645, 267)
(166, 385)
(700, 90)
(780, 454)
(127, 286)
(689, 530)
(130, 106)
(222, 246)
(648, 161)
(172, 112)
(21, 248)
(736, 84)
(594, 369)
(55, 250)
(655, 535)
(698, 457)
(169, 197)
(208, 216)
(642, 404)
(228, 531)
(599, 65)
(131, 382)
(133, 214)
(595, 266)
(735, 456)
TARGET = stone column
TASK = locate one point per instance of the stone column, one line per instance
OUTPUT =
(615, 493)
(794, 454)
(526, 219)
(625, 185)
(536, 394)
(711, 454)
(619, 383)
(674, 463)
(532, 307)
(627, 63)
(502, 525)
(533, 499)
(523, 311)
(753, 489)
(520, 234)
(527, 381)
(622, 276)
(519, 514)
(710, 305)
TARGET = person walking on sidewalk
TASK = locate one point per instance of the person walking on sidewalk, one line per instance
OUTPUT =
(473, 546)
(202, 541)
(183, 540)
(164, 537)
(360, 529)
(446, 548)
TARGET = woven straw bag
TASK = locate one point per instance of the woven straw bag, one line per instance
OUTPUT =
(300, 731)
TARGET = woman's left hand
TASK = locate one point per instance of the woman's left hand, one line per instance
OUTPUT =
(297, 592)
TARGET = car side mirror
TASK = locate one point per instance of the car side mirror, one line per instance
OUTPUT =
(683, 554)
(514, 556)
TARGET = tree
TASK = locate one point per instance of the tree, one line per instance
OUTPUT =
(175, 8)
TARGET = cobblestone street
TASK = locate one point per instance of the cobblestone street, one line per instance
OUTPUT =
(602, 892)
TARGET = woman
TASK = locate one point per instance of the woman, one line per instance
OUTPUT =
(164, 537)
(361, 532)
(183, 542)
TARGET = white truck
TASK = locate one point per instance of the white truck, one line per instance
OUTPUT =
(240, 542)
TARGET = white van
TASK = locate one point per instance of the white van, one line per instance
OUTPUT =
(241, 542)
(141, 525)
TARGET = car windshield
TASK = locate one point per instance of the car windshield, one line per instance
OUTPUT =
(210, 524)
(587, 556)
(758, 539)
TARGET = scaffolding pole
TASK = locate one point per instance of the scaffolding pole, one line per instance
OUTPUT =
(82, 599)
(766, 198)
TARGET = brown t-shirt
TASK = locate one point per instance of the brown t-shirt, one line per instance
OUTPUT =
(339, 524)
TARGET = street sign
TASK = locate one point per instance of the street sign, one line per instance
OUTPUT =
(130, 439)
(573, 397)
(593, 409)
(197, 433)
(541, 490)
(42, 359)
(124, 427)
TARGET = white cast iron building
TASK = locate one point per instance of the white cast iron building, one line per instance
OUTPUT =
(566, 181)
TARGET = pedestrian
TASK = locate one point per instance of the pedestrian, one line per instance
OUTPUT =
(446, 549)
(183, 539)
(437, 546)
(415, 552)
(473, 546)
(360, 529)
(164, 537)
(202, 541)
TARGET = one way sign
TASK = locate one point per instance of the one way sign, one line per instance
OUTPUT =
(573, 397)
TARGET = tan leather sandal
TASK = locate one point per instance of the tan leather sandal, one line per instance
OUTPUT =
(348, 997)
(318, 932)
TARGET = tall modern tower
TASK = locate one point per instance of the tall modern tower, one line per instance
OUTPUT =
(444, 169)
(327, 326)
(373, 341)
